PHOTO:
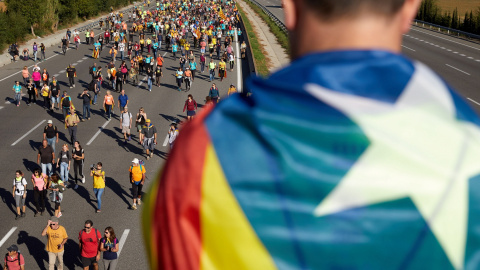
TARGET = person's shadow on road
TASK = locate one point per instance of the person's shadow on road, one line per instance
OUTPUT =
(36, 248)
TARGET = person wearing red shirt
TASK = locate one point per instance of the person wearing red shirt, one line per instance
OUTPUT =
(89, 239)
(191, 106)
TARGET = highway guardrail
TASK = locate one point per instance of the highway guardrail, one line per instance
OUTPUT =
(449, 31)
(273, 17)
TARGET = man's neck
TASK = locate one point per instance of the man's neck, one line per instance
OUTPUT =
(363, 33)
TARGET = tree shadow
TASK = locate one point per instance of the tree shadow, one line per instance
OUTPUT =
(70, 257)
(7, 199)
(36, 248)
(119, 190)
(83, 192)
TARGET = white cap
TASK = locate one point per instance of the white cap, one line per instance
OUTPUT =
(49, 122)
(135, 160)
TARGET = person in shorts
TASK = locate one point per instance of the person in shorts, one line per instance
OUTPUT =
(19, 193)
(126, 123)
(148, 137)
(89, 239)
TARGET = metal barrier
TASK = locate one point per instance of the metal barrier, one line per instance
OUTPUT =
(446, 29)
(249, 54)
(91, 25)
(273, 17)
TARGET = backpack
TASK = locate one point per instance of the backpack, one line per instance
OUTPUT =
(96, 234)
(66, 102)
(18, 258)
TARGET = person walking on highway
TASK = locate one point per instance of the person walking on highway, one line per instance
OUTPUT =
(54, 95)
(71, 123)
(78, 156)
(14, 260)
(66, 102)
(190, 106)
(56, 238)
(140, 119)
(25, 75)
(46, 96)
(85, 96)
(148, 138)
(57, 187)
(126, 123)
(89, 239)
(63, 162)
(98, 184)
(109, 246)
(50, 133)
(179, 78)
(19, 193)
(39, 182)
(108, 103)
(172, 134)
(46, 158)
(71, 74)
(214, 93)
(211, 67)
(17, 89)
(158, 75)
(122, 100)
(137, 179)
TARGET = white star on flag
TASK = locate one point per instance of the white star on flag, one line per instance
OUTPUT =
(418, 149)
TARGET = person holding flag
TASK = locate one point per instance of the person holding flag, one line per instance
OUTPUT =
(351, 157)
(96, 49)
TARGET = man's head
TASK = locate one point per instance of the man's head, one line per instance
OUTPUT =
(125, 109)
(50, 123)
(123, 92)
(44, 143)
(135, 162)
(12, 250)
(88, 226)
(325, 25)
(54, 222)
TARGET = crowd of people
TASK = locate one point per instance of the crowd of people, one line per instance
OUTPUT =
(190, 31)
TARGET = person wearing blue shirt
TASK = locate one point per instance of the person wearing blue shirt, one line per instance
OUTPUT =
(122, 100)
(155, 48)
(193, 68)
(174, 51)
(17, 88)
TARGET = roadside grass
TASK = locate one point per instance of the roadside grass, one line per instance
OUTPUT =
(281, 36)
(261, 62)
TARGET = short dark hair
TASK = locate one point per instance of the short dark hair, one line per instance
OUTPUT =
(89, 222)
(331, 9)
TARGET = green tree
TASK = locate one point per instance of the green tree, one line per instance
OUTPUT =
(33, 11)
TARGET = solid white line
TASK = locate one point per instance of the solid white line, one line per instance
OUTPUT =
(408, 48)
(122, 240)
(98, 132)
(26, 134)
(166, 141)
(142, 81)
(239, 64)
(458, 69)
(5, 238)
(473, 101)
(27, 67)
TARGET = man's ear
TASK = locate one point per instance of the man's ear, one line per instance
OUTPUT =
(408, 13)
(290, 8)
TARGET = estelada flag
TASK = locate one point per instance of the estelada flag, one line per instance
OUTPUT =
(342, 160)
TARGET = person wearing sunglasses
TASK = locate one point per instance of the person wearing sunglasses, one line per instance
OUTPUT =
(88, 239)
(57, 237)
(109, 246)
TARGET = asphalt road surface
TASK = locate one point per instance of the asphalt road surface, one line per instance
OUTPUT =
(455, 59)
(21, 132)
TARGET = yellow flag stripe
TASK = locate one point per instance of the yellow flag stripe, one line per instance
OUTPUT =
(228, 239)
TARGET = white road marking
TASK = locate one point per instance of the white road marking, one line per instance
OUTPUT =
(458, 69)
(1, 107)
(473, 101)
(122, 240)
(56, 75)
(143, 80)
(74, 64)
(166, 141)
(98, 132)
(462, 55)
(79, 61)
(408, 48)
(455, 52)
(446, 39)
(61, 71)
(239, 64)
(30, 131)
(84, 58)
(470, 57)
(5, 238)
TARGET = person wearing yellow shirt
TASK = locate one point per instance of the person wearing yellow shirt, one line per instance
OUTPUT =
(149, 44)
(57, 237)
(137, 178)
(232, 90)
(222, 69)
(142, 44)
(98, 183)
